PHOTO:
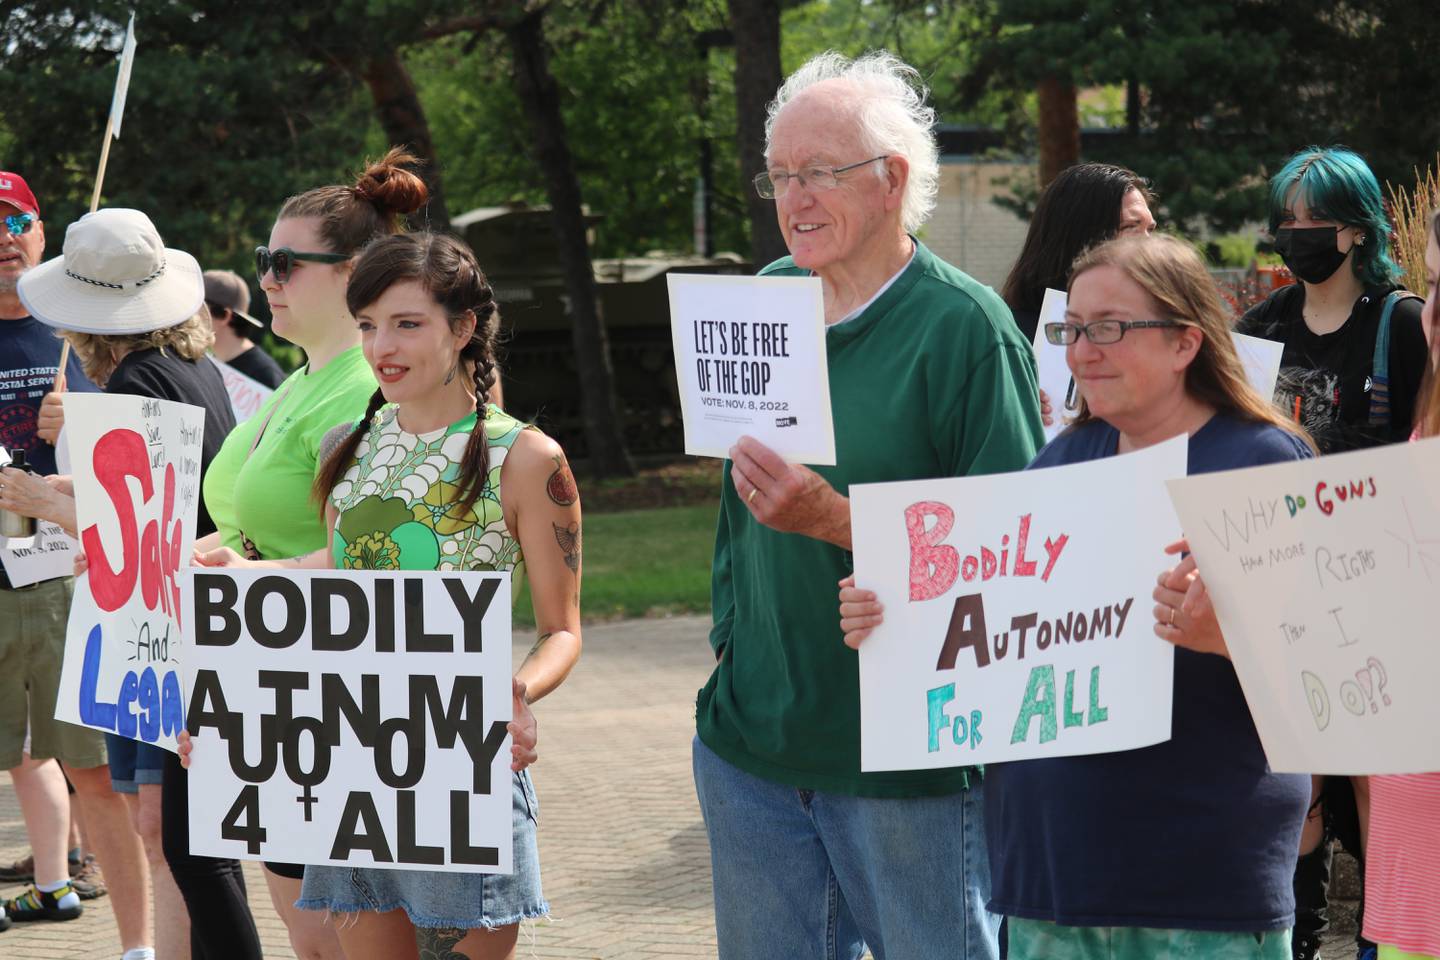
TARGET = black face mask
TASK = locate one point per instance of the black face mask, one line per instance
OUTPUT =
(1309, 252)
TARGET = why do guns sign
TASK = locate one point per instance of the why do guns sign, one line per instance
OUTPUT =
(1323, 574)
(750, 360)
(1017, 613)
(351, 717)
(136, 467)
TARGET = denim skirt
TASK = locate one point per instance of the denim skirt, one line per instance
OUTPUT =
(435, 899)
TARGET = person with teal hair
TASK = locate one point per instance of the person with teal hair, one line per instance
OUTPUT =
(1351, 371)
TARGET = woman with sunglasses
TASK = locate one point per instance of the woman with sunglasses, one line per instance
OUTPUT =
(258, 488)
(1184, 848)
(1350, 373)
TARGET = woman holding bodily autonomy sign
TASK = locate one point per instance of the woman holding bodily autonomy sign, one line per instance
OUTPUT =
(475, 489)
(1350, 373)
(134, 312)
(1185, 848)
(258, 489)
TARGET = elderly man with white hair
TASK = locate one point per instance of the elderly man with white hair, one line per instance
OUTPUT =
(928, 378)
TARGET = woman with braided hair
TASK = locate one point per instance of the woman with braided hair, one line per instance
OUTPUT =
(471, 489)
(258, 487)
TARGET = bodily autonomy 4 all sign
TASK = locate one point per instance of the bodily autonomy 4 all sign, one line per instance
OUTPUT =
(1017, 613)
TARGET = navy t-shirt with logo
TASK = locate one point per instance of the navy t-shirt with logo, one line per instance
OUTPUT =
(1196, 833)
(29, 359)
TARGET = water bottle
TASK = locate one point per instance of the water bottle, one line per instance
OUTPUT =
(14, 524)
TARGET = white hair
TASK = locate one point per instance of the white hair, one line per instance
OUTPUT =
(893, 117)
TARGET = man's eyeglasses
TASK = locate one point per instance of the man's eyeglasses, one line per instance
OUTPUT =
(1101, 331)
(19, 223)
(282, 260)
(817, 177)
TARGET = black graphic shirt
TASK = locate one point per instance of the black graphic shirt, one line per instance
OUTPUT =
(1327, 381)
(29, 359)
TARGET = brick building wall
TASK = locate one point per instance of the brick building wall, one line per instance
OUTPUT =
(967, 228)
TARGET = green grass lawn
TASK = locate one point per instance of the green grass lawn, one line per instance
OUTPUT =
(642, 563)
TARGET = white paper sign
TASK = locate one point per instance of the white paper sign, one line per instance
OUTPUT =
(750, 360)
(1262, 361)
(1017, 613)
(1051, 368)
(137, 489)
(45, 556)
(247, 395)
(122, 79)
(351, 717)
(1324, 575)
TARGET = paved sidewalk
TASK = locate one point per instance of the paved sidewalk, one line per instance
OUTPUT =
(623, 851)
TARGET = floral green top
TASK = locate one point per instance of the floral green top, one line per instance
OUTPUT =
(397, 503)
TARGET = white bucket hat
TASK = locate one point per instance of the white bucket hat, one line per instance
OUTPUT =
(116, 277)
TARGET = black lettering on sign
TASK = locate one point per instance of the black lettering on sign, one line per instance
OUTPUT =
(410, 851)
(323, 592)
(472, 609)
(460, 849)
(336, 702)
(349, 838)
(416, 639)
(293, 623)
(250, 833)
(967, 629)
(208, 606)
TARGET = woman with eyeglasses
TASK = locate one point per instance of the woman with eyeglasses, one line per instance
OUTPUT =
(1185, 848)
(258, 488)
(1350, 373)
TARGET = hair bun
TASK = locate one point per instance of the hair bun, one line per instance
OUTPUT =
(390, 186)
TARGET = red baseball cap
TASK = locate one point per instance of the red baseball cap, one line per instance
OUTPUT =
(16, 192)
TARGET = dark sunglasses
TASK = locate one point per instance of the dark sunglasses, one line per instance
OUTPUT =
(19, 223)
(283, 259)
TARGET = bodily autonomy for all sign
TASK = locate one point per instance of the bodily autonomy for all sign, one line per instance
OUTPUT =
(354, 717)
(1323, 574)
(750, 360)
(1017, 613)
(136, 468)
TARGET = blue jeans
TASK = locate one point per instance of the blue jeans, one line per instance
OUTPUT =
(808, 875)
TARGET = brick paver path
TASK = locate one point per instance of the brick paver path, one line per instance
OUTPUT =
(626, 865)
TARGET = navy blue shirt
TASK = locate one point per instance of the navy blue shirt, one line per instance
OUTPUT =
(1195, 833)
(29, 359)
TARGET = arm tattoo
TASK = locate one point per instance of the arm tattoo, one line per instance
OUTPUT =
(439, 943)
(561, 485)
(569, 540)
(538, 644)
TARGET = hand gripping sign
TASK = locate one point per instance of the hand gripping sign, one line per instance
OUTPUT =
(137, 489)
(1324, 575)
(1017, 613)
(351, 717)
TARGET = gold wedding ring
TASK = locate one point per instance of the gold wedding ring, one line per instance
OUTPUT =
(1173, 611)
(753, 491)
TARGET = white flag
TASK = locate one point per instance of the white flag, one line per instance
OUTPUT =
(122, 81)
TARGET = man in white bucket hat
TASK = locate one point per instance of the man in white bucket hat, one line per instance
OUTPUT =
(133, 310)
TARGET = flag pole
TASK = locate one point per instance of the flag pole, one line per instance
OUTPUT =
(104, 159)
(112, 130)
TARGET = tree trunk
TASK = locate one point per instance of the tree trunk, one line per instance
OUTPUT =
(540, 98)
(1059, 127)
(756, 24)
(403, 120)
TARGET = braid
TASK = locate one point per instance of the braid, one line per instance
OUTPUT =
(335, 465)
(475, 462)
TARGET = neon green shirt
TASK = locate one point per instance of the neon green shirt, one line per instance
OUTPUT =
(261, 499)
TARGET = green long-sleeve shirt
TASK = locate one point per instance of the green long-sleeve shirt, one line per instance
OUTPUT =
(931, 380)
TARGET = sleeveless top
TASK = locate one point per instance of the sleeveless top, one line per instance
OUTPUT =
(398, 501)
